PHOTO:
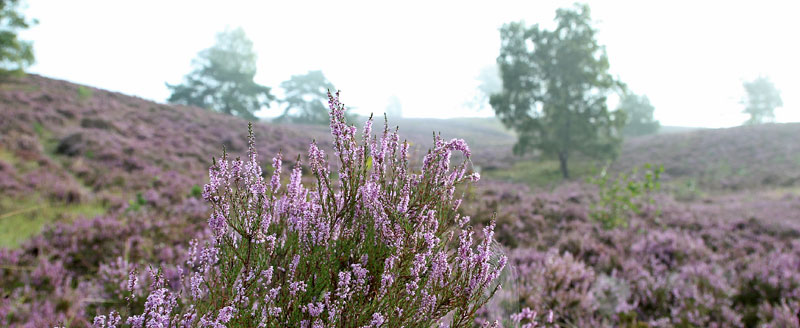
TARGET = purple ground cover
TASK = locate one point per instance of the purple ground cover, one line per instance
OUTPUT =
(729, 260)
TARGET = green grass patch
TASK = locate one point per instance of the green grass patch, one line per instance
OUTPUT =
(7, 156)
(39, 129)
(18, 85)
(22, 218)
(684, 189)
(541, 173)
(84, 93)
(21, 165)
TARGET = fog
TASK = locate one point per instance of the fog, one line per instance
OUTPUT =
(689, 58)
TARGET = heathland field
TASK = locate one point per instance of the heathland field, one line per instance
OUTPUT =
(94, 184)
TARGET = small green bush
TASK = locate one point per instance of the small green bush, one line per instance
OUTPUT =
(623, 196)
(84, 93)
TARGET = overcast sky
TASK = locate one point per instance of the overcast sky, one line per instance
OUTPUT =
(688, 57)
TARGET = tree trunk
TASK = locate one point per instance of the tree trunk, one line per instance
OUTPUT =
(562, 159)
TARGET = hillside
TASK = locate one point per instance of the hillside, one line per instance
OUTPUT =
(91, 151)
(738, 158)
(97, 187)
(485, 134)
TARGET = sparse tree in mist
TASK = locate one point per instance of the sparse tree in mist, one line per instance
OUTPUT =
(639, 112)
(489, 83)
(554, 89)
(761, 100)
(306, 98)
(15, 54)
(395, 108)
(223, 79)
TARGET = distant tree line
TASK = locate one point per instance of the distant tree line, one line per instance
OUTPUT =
(550, 86)
(223, 80)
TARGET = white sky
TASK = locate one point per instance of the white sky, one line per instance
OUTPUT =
(689, 57)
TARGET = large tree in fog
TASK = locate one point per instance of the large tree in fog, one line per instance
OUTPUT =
(761, 100)
(15, 54)
(223, 78)
(306, 98)
(554, 91)
(639, 112)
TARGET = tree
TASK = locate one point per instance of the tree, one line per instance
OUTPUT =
(306, 98)
(489, 83)
(15, 54)
(223, 79)
(639, 112)
(554, 89)
(761, 100)
(395, 108)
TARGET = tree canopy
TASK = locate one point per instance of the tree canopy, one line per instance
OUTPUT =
(223, 78)
(306, 98)
(15, 54)
(761, 100)
(639, 112)
(555, 84)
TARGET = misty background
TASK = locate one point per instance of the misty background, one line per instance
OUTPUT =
(638, 164)
(689, 58)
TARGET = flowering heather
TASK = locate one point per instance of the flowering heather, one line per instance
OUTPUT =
(724, 262)
(377, 245)
(728, 260)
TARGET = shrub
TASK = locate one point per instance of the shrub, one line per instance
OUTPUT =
(380, 246)
(622, 197)
(84, 93)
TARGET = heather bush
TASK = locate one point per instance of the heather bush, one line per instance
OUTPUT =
(557, 282)
(766, 285)
(375, 245)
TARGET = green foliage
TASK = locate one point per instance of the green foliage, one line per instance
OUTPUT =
(84, 93)
(15, 54)
(306, 98)
(618, 198)
(196, 192)
(761, 100)
(639, 112)
(554, 89)
(39, 129)
(223, 79)
(136, 203)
